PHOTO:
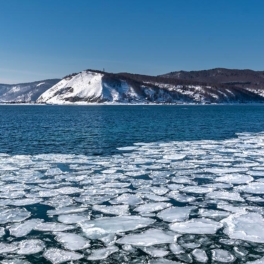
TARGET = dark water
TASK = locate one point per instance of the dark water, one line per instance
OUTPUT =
(99, 130)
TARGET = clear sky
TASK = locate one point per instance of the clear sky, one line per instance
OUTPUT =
(42, 39)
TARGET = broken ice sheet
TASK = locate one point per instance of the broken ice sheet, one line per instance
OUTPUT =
(151, 207)
(72, 218)
(155, 252)
(222, 256)
(235, 178)
(126, 198)
(213, 214)
(30, 246)
(149, 238)
(57, 256)
(200, 255)
(102, 253)
(224, 195)
(67, 210)
(245, 226)
(22, 229)
(6, 248)
(163, 261)
(112, 209)
(53, 227)
(13, 215)
(15, 261)
(72, 241)
(99, 228)
(175, 214)
(196, 226)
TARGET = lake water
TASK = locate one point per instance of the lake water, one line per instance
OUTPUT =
(132, 184)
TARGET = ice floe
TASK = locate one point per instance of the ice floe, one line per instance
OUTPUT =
(30, 246)
(196, 226)
(102, 253)
(175, 214)
(57, 256)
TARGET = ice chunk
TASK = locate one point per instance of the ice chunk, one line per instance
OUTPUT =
(152, 207)
(159, 190)
(174, 157)
(2, 231)
(214, 214)
(101, 227)
(20, 230)
(69, 190)
(72, 241)
(53, 172)
(196, 189)
(14, 261)
(155, 252)
(223, 256)
(253, 187)
(23, 202)
(72, 218)
(247, 226)
(259, 261)
(162, 261)
(155, 197)
(175, 214)
(129, 148)
(67, 210)
(196, 226)
(176, 249)
(126, 198)
(235, 178)
(13, 215)
(102, 253)
(225, 196)
(200, 255)
(57, 256)
(112, 209)
(148, 238)
(30, 246)
(54, 227)
(182, 198)
(6, 248)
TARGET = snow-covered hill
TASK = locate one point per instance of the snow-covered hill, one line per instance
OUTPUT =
(24, 92)
(99, 87)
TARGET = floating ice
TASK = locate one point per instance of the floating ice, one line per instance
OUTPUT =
(162, 261)
(259, 261)
(20, 230)
(128, 148)
(67, 210)
(182, 198)
(72, 241)
(253, 187)
(13, 215)
(224, 195)
(155, 197)
(102, 253)
(196, 189)
(214, 214)
(222, 256)
(152, 207)
(30, 246)
(200, 255)
(101, 227)
(23, 202)
(69, 190)
(53, 227)
(176, 249)
(126, 198)
(72, 218)
(57, 256)
(155, 252)
(15, 261)
(196, 226)
(6, 248)
(174, 157)
(148, 238)
(2, 231)
(235, 178)
(247, 226)
(112, 209)
(175, 214)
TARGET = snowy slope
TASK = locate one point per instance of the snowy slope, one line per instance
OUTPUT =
(25, 92)
(96, 87)
(99, 87)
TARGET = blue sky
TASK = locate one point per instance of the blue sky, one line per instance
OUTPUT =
(43, 39)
